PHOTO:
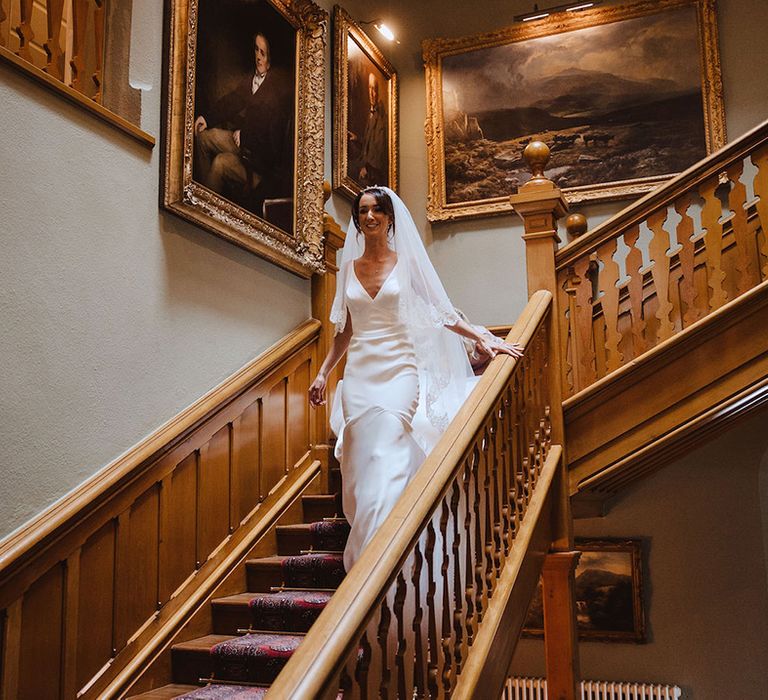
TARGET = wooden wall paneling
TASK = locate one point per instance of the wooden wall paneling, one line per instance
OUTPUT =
(41, 637)
(71, 626)
(273, 437)
(144, 557)
(95, 609)
(10, 654)
(298, 413)
(213, 494)
(246, 460)
(178, 537)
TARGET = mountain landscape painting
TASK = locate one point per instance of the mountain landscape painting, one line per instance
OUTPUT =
(615, 102)
(608, 597)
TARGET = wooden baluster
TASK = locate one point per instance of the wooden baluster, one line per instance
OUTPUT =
(504, 439)
(384, 644)
(346, 684)
(497, 457)
(477, 530)
(581, 325)
(747, 276)
(459, 640)
(488, 546)
(564, 293)
(610, 303)
(435, 640)
(571, 379)
(52, 45)
(402, 638)
(634, 262)
(710, 220)
(685, 255)
(420, 639)
(362, 669)
(760, 186)
(24, 29)
(79, 27)
(469, 564)
(446, 657)
(99, 18)
(658, 248)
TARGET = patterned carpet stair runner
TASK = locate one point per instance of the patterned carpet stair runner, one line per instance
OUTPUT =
(254, 633)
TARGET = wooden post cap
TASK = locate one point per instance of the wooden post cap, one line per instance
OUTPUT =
(326, 190)
(576, 225)
(536, 154)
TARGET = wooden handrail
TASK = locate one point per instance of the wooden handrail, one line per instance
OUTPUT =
(713, 164)
(378, 580)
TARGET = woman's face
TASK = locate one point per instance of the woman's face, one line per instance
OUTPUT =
(371, 217)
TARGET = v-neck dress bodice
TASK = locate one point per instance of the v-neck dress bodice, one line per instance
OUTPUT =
(379, 398)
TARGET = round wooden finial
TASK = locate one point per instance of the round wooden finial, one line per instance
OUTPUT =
(576, 225)
(326, 190)
(536, 154)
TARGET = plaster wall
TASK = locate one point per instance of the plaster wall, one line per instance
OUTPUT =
(702, 520)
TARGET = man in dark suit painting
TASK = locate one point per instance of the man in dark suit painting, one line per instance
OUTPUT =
(244, 144)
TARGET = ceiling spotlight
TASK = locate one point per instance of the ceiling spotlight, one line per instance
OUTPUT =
(536, 13)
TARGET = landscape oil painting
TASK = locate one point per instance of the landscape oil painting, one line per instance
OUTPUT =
(609, 597)
(620, 95)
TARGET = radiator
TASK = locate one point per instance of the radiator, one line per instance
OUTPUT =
(536, 689)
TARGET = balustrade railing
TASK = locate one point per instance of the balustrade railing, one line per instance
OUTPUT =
(405, 619)
(671, 259)
(65, 38)
(79, 49)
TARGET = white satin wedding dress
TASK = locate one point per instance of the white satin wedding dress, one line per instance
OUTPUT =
(378, 448)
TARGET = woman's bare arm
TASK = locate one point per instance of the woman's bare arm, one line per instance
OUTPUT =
(335, 353)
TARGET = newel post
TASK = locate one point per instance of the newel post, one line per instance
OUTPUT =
(323, 290)
(540, 203)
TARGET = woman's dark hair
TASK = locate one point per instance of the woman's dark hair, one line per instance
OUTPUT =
(382, 199)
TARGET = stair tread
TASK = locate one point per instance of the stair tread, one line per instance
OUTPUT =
(246, 598)
(202, 643)
(165, 692)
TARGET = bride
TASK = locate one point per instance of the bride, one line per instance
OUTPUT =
(406, 374)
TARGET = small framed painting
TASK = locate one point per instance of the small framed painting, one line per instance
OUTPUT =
(609, 593)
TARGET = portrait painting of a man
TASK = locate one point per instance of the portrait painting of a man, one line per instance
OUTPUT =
(243, 138)
(367, 135)
(365, 110)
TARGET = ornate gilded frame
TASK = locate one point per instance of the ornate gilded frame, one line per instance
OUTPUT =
(631, 551)
(300, 251)
(434, 51)
(345, 29)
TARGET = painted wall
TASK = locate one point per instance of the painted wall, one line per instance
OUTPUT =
(703, 520)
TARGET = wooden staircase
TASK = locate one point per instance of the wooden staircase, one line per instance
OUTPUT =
(265, 620)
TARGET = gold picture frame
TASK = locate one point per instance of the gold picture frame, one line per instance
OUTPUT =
(265, 193)
(609, 593)
(571, 80)
(365, 126)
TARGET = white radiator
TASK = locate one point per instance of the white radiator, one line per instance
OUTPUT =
(536, 689)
